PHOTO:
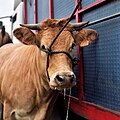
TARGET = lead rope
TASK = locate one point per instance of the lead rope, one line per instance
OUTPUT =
(69, 19)
(68, 105)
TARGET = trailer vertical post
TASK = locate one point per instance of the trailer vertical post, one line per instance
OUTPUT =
(25, 11)
(35, 12)
(51, 9)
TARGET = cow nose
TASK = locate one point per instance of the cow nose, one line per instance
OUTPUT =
(63, 78)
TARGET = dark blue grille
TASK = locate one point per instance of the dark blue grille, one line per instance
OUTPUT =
(43, 10)
(30, 11)
(102, 66)
(86, 3)
(102, 11)
(63, 8)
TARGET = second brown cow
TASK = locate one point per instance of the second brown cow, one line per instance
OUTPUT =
(4, 36)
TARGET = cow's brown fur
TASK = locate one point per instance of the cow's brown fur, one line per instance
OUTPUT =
(4, 39)
(26, 92)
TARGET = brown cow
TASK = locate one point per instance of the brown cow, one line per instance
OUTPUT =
(31, 75)
(4, 37)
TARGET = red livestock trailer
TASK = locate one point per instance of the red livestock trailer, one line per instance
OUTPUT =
(97, 94)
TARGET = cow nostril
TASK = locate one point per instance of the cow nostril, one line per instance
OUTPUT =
(60, 78)
(71, 77)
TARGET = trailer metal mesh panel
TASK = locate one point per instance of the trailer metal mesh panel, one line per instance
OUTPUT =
(43, 10)
(102, 59)
(102, 11)
(30, 11)
(63, 8)
(86, 3)
(74, 91)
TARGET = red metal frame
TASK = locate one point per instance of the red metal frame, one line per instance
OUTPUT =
(79, 50)
(95, 4)
(80, 65)
(35, 12)
(93, 112)
(25, 11)
(51, 9)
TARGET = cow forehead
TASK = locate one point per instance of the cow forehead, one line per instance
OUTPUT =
(64, 39)
(52, 23)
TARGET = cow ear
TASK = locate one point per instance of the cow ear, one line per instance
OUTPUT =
(85, 37)
(25, 35)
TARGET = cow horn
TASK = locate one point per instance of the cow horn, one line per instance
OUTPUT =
(31, 26)
(78, 25)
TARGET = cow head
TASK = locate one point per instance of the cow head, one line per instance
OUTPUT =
(60, 64)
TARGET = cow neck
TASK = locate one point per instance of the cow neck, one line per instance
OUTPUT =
(51, 104)
(46, 106)
(47, 103)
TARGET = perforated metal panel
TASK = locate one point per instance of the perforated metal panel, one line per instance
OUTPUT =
(30, 11)
(43, 10)
(63, 8)
(102, 59)
(102, 11)
(75, 69)
(86, 3)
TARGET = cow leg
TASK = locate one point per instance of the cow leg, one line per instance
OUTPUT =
(1, 111)
(7, 111)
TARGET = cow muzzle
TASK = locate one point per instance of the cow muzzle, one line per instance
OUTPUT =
(62, 80)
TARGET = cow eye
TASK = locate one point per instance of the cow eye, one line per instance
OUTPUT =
(43, 46)
(89, 34)
(71, 48)
(73, 45)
